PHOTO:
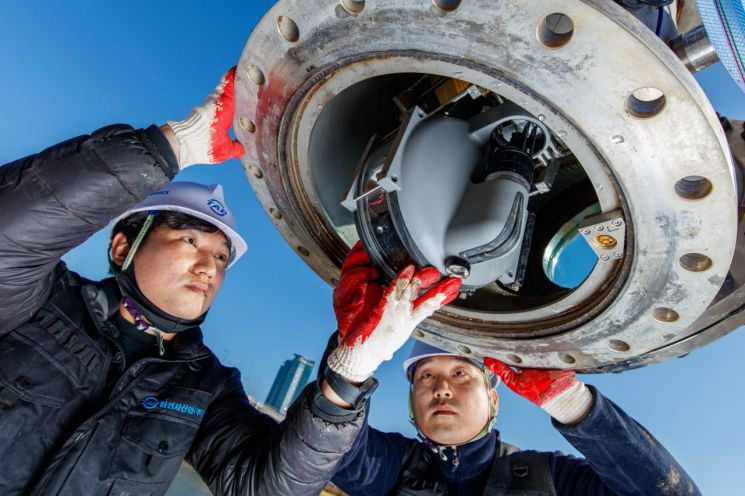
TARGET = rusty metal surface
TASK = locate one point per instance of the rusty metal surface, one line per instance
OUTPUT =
(582, 89)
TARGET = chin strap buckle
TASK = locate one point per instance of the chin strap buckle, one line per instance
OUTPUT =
(142, 325)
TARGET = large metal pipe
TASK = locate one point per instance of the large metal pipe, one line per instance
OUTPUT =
(694, 49)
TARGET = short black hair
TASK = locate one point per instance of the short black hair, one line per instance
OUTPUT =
(130, 226)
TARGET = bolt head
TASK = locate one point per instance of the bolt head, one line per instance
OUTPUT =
(585, 231)
(604, 258)
(605, 241)
(617, 222)
(599, 228)
(457, 271)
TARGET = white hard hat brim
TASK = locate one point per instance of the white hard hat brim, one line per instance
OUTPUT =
(422, 350)
(238, 245)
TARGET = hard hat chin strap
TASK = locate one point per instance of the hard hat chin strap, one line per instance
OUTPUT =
(147, 315)
(142, 325)
(138, 240)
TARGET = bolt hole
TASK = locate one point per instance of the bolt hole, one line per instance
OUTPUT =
(418, 334)
(394, 178)
(645, 102)
(247, 125)
(275, 213)
(513, 358)
(664, 314)
(464, 349)
(255, 171)
(567, 358)
(255, 75)
(447, 5)
(695, 262)
(555, 30)
(303, 251)
(693, 187)
(288, 29)
(354, 7)
(618, 345)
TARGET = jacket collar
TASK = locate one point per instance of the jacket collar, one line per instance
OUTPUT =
(473, 459)
(102, 301)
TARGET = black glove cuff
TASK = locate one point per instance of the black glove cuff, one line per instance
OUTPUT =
(158, 141)
(323, 408)
(354, 395)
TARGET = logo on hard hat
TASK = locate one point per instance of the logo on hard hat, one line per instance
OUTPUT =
(217, 207)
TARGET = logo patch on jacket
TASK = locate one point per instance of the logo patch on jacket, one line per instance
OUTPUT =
(152, 403)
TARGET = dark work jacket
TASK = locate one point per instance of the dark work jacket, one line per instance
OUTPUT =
(65, 426)
(621, 458)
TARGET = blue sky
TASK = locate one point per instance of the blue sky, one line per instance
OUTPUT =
(71, 67)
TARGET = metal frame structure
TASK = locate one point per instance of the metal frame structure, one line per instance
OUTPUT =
(617, 96)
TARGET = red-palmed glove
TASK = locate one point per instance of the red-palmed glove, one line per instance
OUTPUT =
(357, 291)
(374, 321)
(203, 135)
(556, 391)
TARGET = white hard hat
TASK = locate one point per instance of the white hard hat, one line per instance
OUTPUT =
(205, 202)
(422, 350)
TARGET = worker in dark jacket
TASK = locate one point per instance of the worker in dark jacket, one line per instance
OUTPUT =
(454, 404)
(105, 387)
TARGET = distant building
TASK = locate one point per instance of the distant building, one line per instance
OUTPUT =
(290, 380)
(265, 409)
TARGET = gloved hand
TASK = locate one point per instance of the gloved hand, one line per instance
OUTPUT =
(375, 321)
(357, 290)
(556, 391)
(203, 135)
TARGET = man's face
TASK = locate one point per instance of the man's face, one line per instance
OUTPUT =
(450, 399)
(181, 271)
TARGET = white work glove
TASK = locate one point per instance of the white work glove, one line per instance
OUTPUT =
(203, 136)
(558, 392)
(375, 321)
